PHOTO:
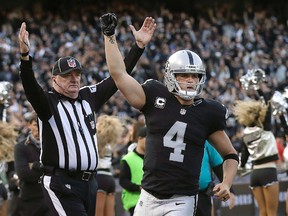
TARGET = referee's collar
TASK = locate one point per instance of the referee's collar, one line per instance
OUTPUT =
(67, 98)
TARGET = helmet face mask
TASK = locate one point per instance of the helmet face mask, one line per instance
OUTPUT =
(184, 61)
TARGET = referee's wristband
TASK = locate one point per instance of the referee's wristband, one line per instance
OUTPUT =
(24, 54)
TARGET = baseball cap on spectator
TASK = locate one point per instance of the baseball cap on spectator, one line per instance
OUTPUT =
(142, 132)
(65, 65)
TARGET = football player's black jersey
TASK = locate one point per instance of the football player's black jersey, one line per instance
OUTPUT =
(175, 140)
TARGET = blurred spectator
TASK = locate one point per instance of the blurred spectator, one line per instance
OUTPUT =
(121, 148)
(7, 141)
(139, 123)
(3, 199)
(281, 143)
(109, 129)
(27, 166)
(252, 33)
(131, 172)
(14, 191)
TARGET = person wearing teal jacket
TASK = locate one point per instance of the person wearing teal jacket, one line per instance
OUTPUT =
(131, 172)
(212, 161)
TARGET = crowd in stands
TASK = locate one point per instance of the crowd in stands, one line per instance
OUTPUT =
(229, 41)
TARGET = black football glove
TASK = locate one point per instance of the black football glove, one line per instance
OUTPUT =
(108, 23)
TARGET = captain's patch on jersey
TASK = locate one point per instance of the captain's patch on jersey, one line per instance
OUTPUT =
(160, 102)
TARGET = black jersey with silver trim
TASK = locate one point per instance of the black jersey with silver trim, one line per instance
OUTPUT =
(175, 139)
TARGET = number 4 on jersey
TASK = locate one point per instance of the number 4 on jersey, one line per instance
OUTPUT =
(174, 138)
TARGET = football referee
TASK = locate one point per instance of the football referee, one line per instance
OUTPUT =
(67, 128)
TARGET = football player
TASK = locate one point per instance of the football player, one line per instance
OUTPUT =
(178, 123)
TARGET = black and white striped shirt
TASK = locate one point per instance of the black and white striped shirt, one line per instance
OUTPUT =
(67, 127)
(74, 132)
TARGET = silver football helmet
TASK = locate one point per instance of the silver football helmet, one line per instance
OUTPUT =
(184, 61)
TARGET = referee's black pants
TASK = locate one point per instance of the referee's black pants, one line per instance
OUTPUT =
(70, 197)
(33, 207)
(204, 206)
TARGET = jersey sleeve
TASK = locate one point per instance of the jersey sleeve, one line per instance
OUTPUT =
(103, 91)
(150, 86)
(132, 58)
(34, 93)
(217, 115)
